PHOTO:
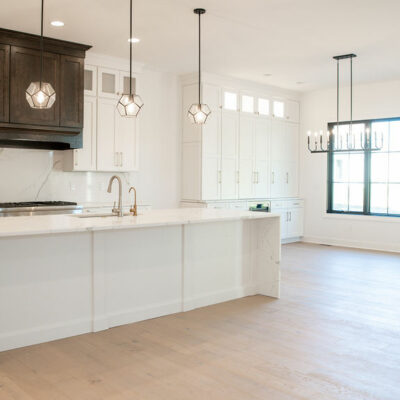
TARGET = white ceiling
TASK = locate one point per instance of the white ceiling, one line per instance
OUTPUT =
(293, 40)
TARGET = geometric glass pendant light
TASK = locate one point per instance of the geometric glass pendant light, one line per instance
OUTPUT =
(198, 112)
(130, 104)
(40, 95)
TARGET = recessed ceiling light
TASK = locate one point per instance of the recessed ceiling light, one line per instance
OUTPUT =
(300, 83)
(267, 75)
(134, 40)
(57, 23)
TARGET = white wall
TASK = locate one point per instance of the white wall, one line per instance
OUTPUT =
(377, 100)
(37, 175)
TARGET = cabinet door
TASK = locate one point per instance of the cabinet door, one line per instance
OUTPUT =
(292, 111)
(107, 159)
(291, 139)
(85, 158)
(246, 157)
(125, 142)
(211, 146)
(90, 80)
(71, 95)
(278, 140)
(4, 82)
(295, 222)
(291, 180)
(25, 68)
(278, 171)
(123, 86)
(229, 138)
(261, 167)
(107, 83)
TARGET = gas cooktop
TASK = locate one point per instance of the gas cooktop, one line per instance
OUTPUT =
(26, 208)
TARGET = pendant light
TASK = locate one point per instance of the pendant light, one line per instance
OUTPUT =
(198, 113)
(130, 104)
(40, 95)
(334, 142)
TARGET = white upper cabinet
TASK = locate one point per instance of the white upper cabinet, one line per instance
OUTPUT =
(278, 109)
(230, 100)
(247, 104)
(292, 111)
(110, 142)
(107, 159)
(247, 149)
(263, 107)
(90, 80)
(108, 80)
(229, 147)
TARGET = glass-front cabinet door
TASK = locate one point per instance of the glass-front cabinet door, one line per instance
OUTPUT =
(108, 83)
(90, 80)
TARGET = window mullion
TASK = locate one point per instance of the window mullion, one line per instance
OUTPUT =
(367, 175)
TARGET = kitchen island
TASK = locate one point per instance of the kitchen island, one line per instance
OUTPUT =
(64, 275)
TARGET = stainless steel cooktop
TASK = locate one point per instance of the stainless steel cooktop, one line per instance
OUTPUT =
(38, 208)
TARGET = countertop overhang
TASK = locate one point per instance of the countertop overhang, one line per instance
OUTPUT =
(55, 224)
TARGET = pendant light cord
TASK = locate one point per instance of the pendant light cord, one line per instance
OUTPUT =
(41, 46)
(199, 58)
(130, 51)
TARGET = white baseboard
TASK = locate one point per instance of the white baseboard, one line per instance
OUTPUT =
(391, 247)
(47, 333)
(143, 313)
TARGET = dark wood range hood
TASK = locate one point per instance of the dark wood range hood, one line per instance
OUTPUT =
(61, 126)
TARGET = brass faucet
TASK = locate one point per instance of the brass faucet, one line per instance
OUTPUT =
(133, 209)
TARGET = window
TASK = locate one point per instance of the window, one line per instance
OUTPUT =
(366, 182)
(248, 104)
(263, 106)
(230, 101)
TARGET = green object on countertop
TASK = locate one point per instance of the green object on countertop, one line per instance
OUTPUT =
(260, 207)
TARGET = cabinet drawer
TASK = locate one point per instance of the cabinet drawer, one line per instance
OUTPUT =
(278, 204)
(295, 203)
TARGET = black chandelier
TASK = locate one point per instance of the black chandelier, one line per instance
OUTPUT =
(335, 142)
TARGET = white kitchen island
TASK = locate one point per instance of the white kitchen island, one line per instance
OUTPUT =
(63, 275)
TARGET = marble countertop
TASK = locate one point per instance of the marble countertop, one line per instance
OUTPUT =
(52, 224)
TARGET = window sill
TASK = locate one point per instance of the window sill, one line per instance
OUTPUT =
(365, 218)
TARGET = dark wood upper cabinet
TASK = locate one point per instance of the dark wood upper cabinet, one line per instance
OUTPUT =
(4, 82)
(71, 91)
(25, 68)
(59, 127)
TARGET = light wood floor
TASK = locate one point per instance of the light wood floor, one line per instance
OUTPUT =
(334, 334)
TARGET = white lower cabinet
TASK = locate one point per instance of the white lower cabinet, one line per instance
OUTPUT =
(292, 217)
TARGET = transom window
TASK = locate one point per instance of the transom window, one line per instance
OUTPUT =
(366, 182)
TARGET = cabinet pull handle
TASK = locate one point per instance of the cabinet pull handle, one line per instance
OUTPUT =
(122, 159)
(238, 176)
(287, 216)
(290, 216)
(76, 158)
(287, 177)
(273, 177)
(219, 176)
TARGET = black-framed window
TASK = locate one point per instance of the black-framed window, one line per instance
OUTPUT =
(366, 182)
